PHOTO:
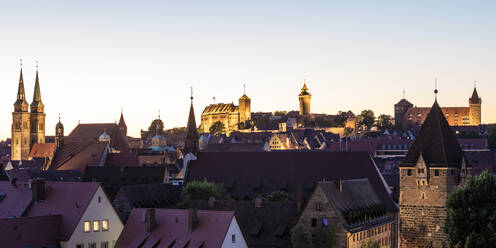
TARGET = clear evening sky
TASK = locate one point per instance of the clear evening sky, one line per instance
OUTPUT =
(98, 56)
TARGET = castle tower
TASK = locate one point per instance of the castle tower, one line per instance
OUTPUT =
(59, 134)
(20, 143)
(400, 110)
(432, 169)
(122, 125)
(191, 144)
(244, 108)
(475, 103)
(305, 97)
(37, 115)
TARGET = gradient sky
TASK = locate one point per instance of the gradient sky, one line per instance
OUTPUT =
(98, 56)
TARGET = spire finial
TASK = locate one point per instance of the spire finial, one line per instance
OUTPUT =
(244, 89)
(191, 93)
(36, 65)
(213, 99)
(403, 94)
(159, 114)
(21, 63)
(121, 110)
(435, 90)
(59, 117)
(475, 84)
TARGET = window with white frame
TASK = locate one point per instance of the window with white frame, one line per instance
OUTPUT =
(87, 227)
(96, 226)
(105, 225)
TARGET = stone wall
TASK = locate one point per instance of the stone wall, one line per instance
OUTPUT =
(422, 226)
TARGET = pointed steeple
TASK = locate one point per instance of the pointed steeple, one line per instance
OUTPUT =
(37, 93)
(436, 142)
(192, 135)
(122, 124)
(304, 90)
(475, 99)
(21, 105)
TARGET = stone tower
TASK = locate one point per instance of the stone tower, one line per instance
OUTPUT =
(37, 115)
(20, 143)
(122, 125)
(475, 103)
(400, 110)
(305, 99)
(244, 108)
(432, 169)
(59, 134)
(191, 143)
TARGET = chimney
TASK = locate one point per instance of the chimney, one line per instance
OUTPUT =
(38, 190)
(149, 219)
(192, 219)
(299, 198)
(258, 202)
(211, 202)
(339, 184)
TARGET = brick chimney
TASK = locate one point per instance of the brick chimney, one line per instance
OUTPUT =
(38, 190)
(211, 202)
(192, 219)
(258, 202)
(149, 219)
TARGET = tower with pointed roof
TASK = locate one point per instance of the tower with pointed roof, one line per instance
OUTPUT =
(59, 134)
(400, 110)
(305, 97)
(244, 108)
(475, 103)
(21, 135)
(433, 168)
(122, 125)
(37, 115)
(191, 143)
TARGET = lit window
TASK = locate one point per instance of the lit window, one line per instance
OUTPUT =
(96, 226)
(87, 226)
(105, 225)
(233, 238)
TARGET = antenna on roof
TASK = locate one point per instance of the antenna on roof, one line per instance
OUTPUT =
(436, 91)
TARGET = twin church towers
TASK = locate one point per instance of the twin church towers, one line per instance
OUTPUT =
(28, 127)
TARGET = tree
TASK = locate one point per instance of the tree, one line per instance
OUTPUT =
(197, 190)
(384, 122)
(366, 119)
(341, 119)
(324, 237)
(280, 113)
(299, 237)
(278, 196)
(372, 244)
(471, 211)
(217, 128)
(491, 136)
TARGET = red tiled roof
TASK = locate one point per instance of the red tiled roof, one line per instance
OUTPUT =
(78, 155)
(172, 225)
(42, 150)
(251, 174)
(91, 132)
(35, 232)
(69, 199)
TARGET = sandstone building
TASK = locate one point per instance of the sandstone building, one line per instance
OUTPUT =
(305, 98)
(28, 128)
(407, 115)
(433, 168)
(232, 116)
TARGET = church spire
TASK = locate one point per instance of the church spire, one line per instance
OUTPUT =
(21, 105)
(475, 99)
(37, 92)
(192, 135)
(122, 124)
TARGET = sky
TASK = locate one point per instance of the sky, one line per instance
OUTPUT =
(98, 57)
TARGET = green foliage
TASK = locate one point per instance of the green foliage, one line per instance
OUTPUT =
(299, 237)
(278, 196)
(491, 136)
(372, 244)
(324, 237)
(366, 119)
(280, 113)
(217, 128)
(341, 119)
(384, 122)
(348, 131)
(197, 190)
(321, 121)
(468, 135)
(471, 210)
